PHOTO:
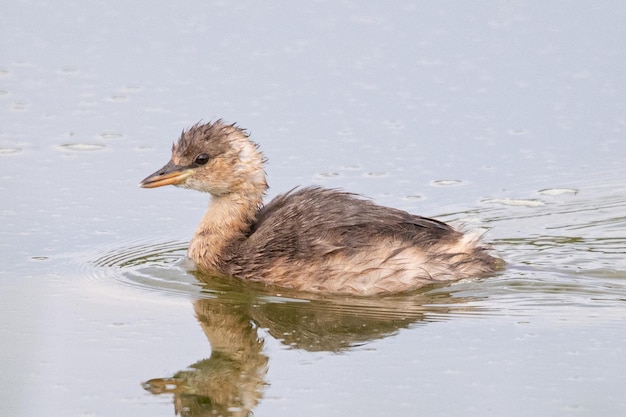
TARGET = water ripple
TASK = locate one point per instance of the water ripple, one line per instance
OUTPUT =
(155, 266)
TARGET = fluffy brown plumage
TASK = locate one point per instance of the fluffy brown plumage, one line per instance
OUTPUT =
(310, 239)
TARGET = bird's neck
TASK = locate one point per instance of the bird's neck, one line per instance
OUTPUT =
(225, 223)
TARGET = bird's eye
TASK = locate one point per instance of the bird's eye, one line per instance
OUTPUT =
(201, 159)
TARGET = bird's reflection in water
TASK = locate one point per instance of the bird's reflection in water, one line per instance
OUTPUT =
(232, 380)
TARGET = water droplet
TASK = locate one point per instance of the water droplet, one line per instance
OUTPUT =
(377, 174)
(447, 182)
(413, 197)
(558, 191)
(5, 151)
(329, 174)
(515, 202)
(82, 146)
(110, 135)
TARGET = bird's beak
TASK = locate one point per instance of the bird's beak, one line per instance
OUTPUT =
(170, 174)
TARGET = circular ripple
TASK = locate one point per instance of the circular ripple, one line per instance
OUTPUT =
(160, 266)
(4, 151)
(82, 146)
(447, 183)
(529, 202)
(558, 191)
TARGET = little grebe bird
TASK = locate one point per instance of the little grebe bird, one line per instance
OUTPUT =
(310, 239)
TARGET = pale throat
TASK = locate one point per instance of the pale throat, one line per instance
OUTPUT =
(227, 218)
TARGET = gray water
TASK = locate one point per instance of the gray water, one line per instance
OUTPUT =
(507, 116)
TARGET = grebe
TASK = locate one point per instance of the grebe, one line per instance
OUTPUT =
(309, 239)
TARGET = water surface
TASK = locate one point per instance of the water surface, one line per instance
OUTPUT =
(505, 116)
